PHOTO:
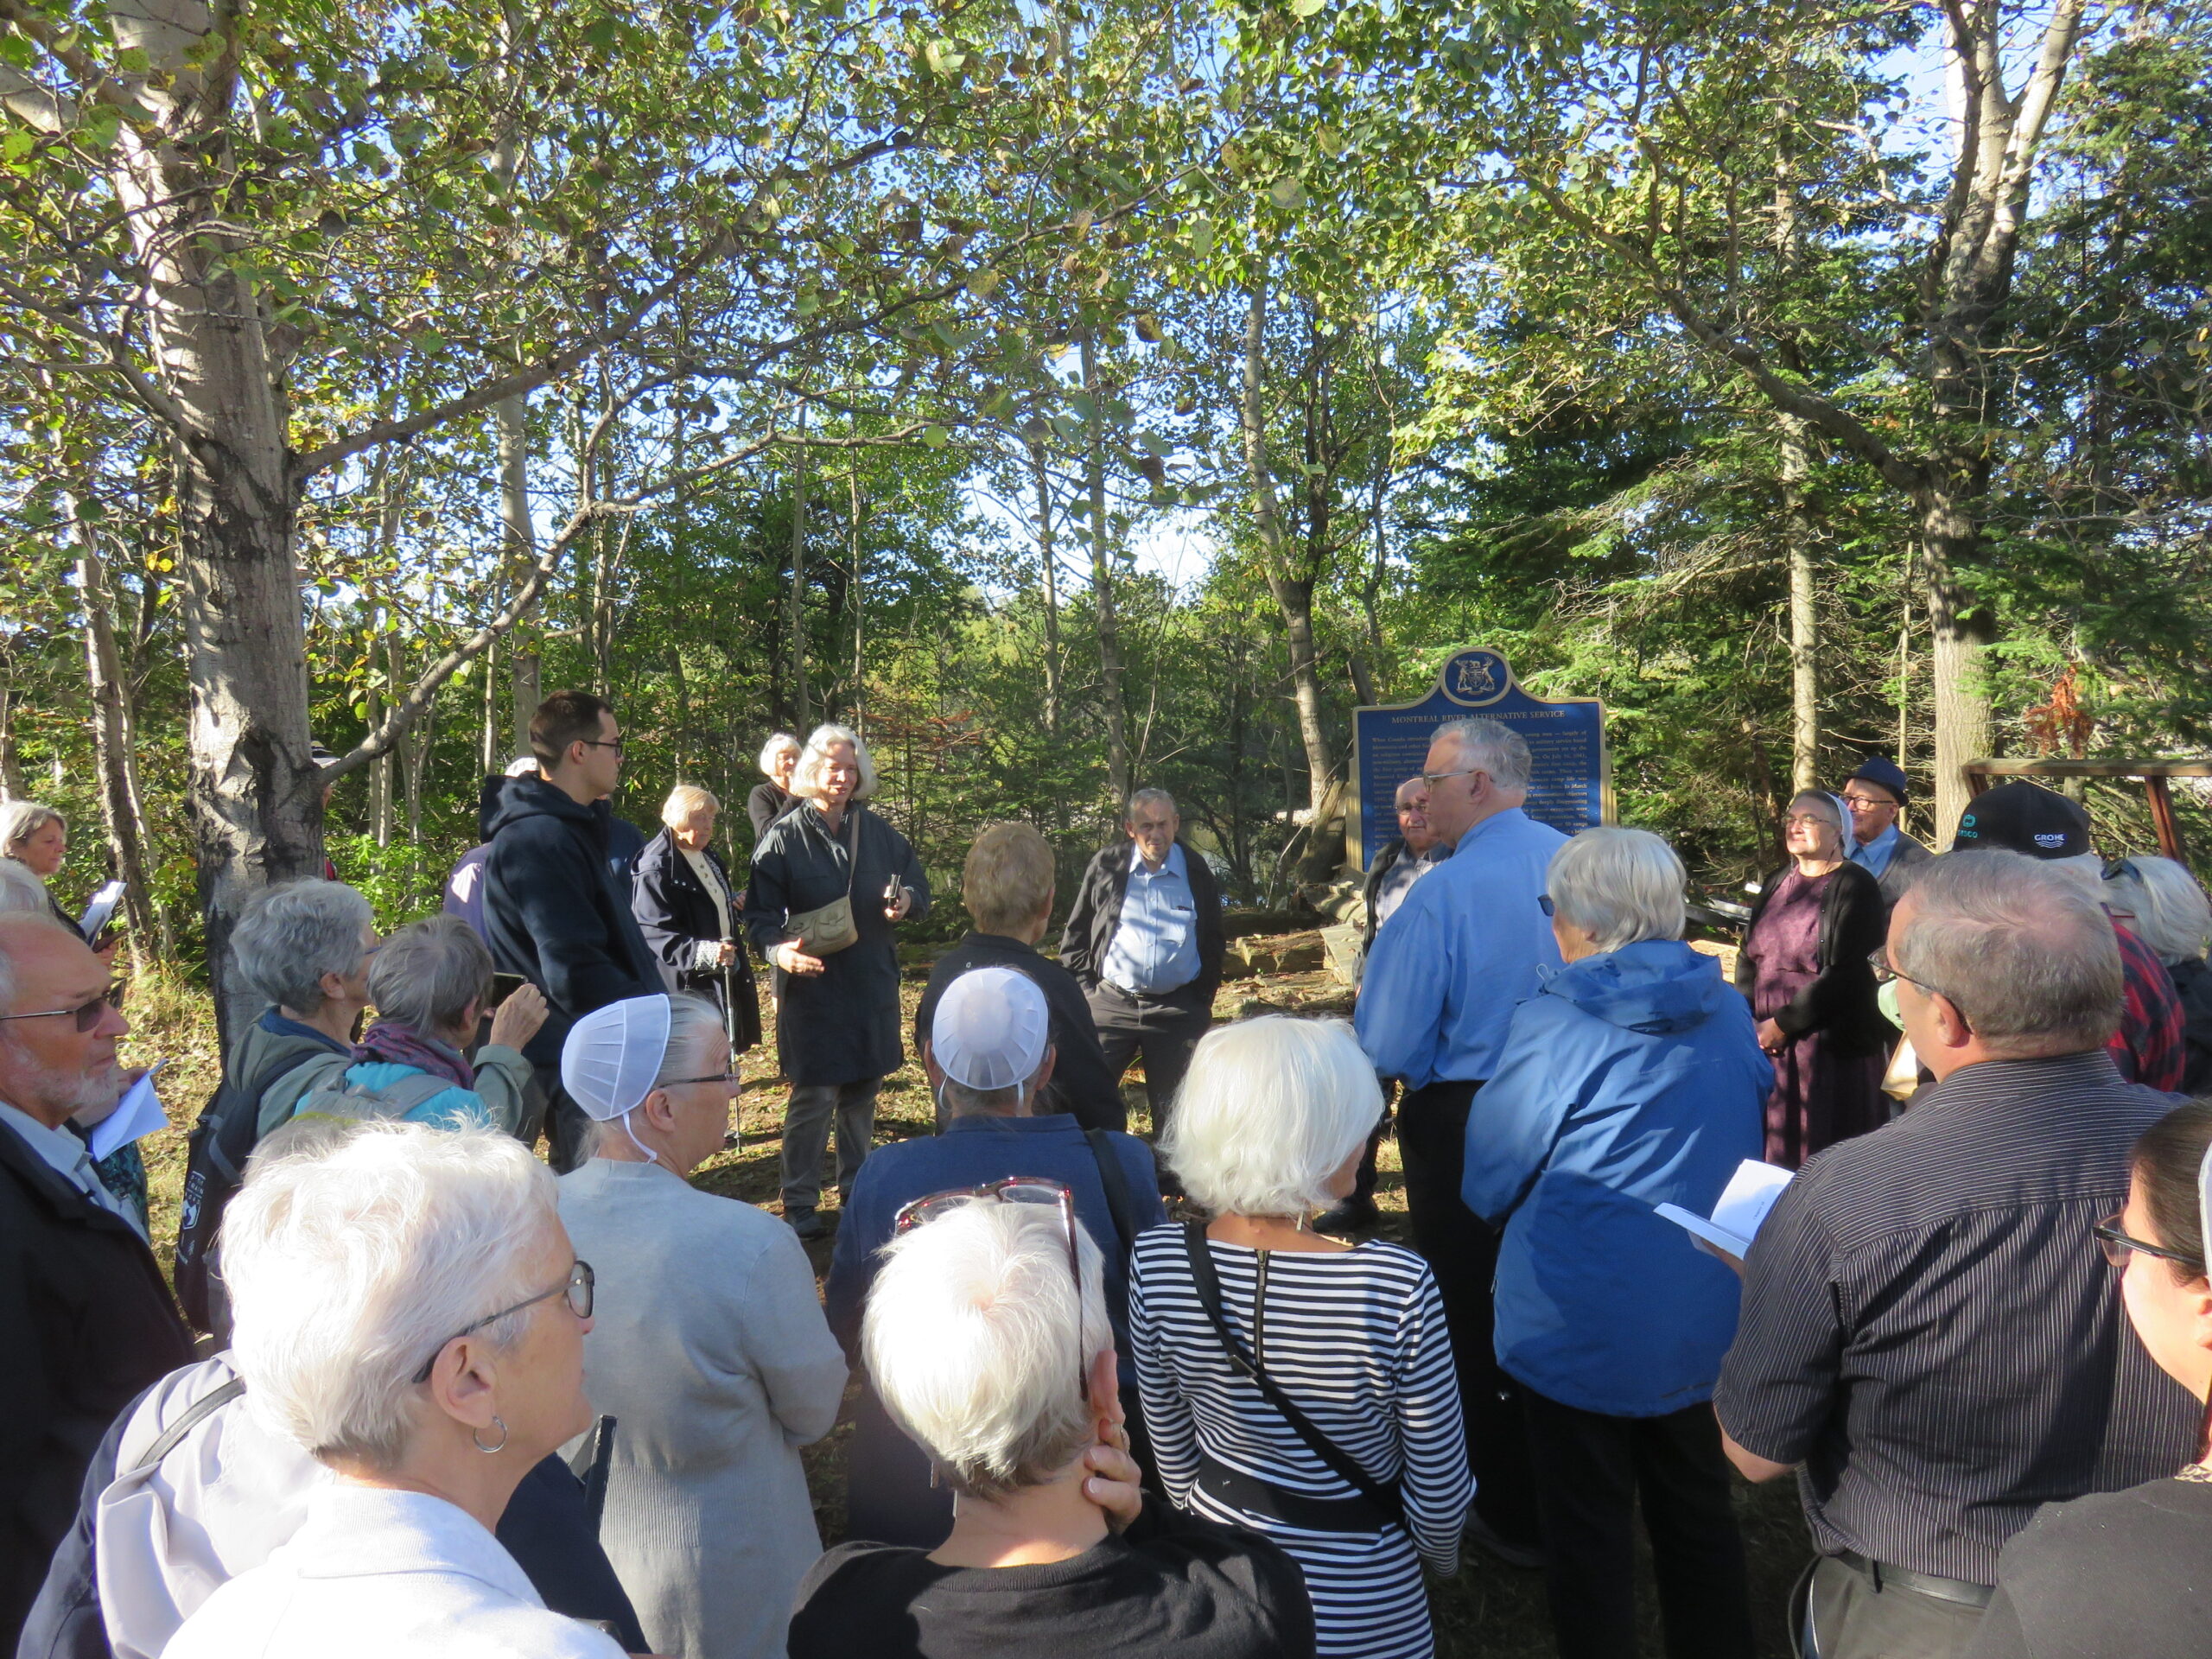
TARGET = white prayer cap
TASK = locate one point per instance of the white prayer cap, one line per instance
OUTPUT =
(990, 1029)
(612, 1054)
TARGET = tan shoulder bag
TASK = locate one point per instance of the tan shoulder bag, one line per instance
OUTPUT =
(828, 929)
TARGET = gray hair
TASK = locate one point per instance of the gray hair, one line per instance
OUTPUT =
(807, 777)
(1269, 1109)
(17, 929)
(21, 892)
(289, 936)
(2026, 955)
(1492, 746)
(353, 1255)
(1618, 886)
(21, 820)
(429, 973)
(1148, 798)
(695, 1028)
(969, 1326)
(2164, 906)
(776, 743)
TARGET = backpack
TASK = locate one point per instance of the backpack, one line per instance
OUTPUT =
(214, 1165)
(357, 1103)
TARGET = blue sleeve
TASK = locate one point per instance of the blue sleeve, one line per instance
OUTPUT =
(1144, 1179)
(1513, 1122)
(1401, 994)
(844, 1293)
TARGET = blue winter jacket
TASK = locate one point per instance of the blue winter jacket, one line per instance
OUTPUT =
(1630, 1079)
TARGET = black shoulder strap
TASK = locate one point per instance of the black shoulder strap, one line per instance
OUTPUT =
(1116, 1180)
(194, 1415)
(1340, 1463)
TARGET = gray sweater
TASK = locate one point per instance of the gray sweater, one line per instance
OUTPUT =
(709, 1347)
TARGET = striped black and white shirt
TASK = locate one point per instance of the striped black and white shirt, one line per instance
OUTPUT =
(1929, 1328)
(1358, 1339)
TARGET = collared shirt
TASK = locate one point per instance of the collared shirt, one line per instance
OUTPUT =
(69, 1158)
(1398, 881)
(1155, 948)
(1873, 856)
(1463, 948)
(1931, 1330)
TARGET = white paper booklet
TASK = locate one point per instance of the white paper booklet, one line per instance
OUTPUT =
(136, 1116)
(100, 911)
(1736, 1220)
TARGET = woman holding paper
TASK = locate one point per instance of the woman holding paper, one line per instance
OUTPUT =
(1632, 1078)
(1804, 966)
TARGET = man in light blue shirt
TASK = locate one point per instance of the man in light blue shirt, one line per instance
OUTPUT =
(1144, 939)
(1876, 797)
(1468, 943)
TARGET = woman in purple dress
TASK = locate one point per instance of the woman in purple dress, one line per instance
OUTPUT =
(1804, 965)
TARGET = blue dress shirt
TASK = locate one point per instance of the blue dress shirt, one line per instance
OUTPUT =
(1873, 856)
(1155, 948)
(1454, 959)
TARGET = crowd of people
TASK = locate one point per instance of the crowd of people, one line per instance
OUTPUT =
(1170, 1395)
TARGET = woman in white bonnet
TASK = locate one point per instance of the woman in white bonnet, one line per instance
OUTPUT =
(712, 1353)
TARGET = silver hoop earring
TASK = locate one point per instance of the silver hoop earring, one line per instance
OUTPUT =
(477, 1435)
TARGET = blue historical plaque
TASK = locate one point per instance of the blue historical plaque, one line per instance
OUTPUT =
(1571, 787)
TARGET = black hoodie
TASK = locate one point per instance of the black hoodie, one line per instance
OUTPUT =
(551, 912)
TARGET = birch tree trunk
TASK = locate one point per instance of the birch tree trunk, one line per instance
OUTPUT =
(113, 748)
(1798, 532)
(1102, 586)
(511, 417)
(802, 698)
(1048, 565)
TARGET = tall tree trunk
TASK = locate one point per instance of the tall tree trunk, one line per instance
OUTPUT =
(1048, 565)
(858, 554)
(1904, 679)
(1958, 633)
(113, 747)
(802, 698)
(1101, 584)
(1797, 531)
(519, 535)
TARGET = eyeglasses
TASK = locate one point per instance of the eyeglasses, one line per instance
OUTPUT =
(1866, 800)
(1014, 1189)
(1806, 820)
(87, 1014)
(1886, 970)
(1544, 904)
(2118, 1246)
(1433, 779)
(613, 743)
(731, 1078)
(578, 1288)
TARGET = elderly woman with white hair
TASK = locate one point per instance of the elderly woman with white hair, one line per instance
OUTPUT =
(831, 882)
(1633, 1078)
(1293, 1383)
(714, 1356)
(690, 915)
(431, 982)
(2161, 903)
(409, 1313)
(1804, 966)
(770, 800)
(988, 1339)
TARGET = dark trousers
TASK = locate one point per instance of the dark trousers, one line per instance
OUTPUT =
(1364, 1178)
(1462, 1253)
(566, 1124)
(1590, 1471)
(813, 1110)
(1165, 1029)
(1855, 1618)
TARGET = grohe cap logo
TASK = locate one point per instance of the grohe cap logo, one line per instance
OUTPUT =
(2045, 838)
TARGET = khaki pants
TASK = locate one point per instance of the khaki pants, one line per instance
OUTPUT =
(1853, 1618)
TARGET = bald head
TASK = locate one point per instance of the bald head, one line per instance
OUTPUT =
(49, 1067)
(1414, 827)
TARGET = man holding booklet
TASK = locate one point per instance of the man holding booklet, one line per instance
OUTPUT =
(1929, 1334)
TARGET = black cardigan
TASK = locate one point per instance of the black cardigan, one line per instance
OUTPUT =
(1840, 1001)
(676, 913)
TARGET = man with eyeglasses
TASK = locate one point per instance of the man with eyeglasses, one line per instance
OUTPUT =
(1466, 944)
(85, 1319)
(554, 911)
(1876, 795)
(1929, 1334)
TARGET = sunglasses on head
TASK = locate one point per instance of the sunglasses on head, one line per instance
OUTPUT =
(87, 1015)
(1014, 1189)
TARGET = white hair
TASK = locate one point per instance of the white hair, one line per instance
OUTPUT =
(20, 891)
(776, 744)
(19, 932)
(686, 799)
(353, 1255)
(1489, 746)
(20, 820)
(1149, 797)
(1269, 1109)
(287, 937)
(807, 777)
(974, 1340)
(1618, 886)
(2164, 906)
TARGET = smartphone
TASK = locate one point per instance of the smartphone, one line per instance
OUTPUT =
(505, 986)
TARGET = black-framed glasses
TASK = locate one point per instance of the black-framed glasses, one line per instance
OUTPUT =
(1014, 1189)
(1886, 970)
(731, 1078)
(87, 1015)
(2118, 1246)
(579, 1287)
(613, 743)
(1544, 903)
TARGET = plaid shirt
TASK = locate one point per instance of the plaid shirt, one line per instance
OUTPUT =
(2148, 1047)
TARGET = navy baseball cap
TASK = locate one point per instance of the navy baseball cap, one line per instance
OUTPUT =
(2023, 817)
(1884, 774)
